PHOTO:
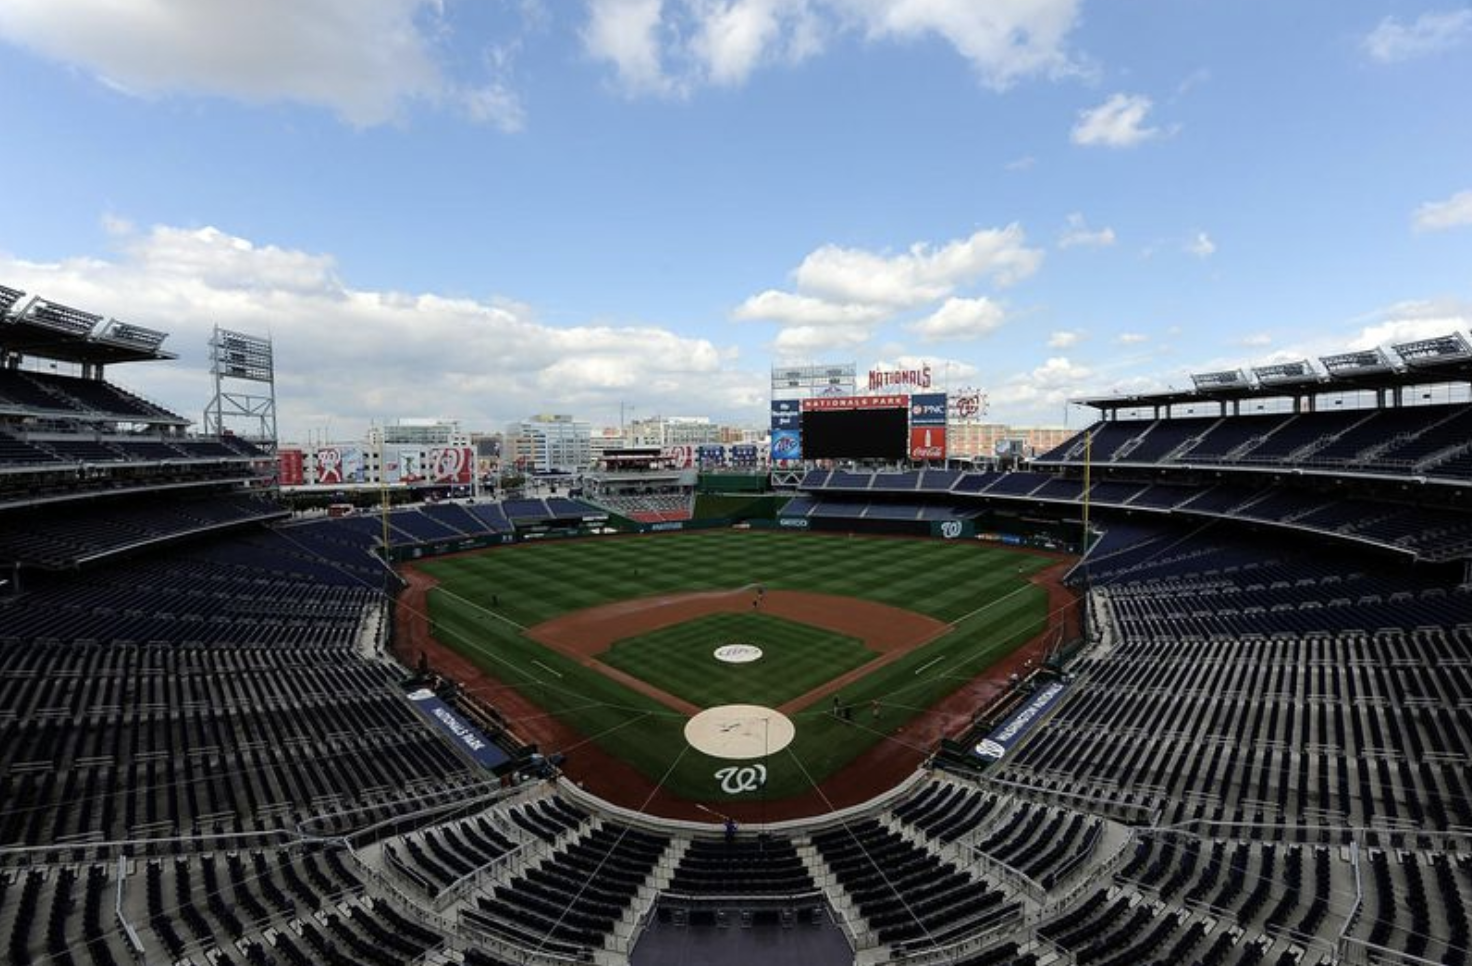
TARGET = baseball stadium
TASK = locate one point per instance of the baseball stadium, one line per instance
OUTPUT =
(1194, 686)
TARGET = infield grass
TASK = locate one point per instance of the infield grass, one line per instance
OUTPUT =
(795, 659)
(981, 589)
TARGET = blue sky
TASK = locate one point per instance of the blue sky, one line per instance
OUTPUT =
(490, 208)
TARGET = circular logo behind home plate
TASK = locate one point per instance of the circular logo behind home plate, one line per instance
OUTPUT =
(740, 732)
(738, 653)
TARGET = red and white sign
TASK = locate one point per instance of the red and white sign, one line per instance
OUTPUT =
(679, 457)
(292, 467)
(968, 404)
(451, 464)
(927, 442)
(329, 465)
(825, 403)
(888, 378)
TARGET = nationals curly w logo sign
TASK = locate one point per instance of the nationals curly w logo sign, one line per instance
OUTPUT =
(748, 778)
(451, 464)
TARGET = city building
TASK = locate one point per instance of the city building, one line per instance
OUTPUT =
(548, 443)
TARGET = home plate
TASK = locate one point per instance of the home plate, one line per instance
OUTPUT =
(739, 731)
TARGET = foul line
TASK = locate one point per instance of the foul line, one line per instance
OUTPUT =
(545, 667)
(481, 608)
(992, 603)
(929, 664)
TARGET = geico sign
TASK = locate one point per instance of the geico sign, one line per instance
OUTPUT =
(798, 523)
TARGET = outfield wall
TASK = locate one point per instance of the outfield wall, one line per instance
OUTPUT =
(1036, 534)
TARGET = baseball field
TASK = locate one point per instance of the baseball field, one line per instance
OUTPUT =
(617, 638)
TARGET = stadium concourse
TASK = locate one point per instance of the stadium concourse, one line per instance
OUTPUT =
(1259, 755)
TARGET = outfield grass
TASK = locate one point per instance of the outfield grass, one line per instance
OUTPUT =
(795, 659)
(982, 589)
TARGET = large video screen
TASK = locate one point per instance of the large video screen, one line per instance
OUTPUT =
(853, 434)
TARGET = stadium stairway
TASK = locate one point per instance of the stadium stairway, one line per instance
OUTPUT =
(845, 910)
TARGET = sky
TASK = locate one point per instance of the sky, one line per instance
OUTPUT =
(486, 209)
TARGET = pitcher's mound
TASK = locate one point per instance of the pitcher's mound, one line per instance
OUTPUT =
(739, 732)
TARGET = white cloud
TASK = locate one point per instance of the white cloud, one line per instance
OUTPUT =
(1077, 234)
(960, 318)
(788, 308)
(1117, 123)
(1454, 212)
(923, 273)
(1131, 338)
(1024, 163)
(1030, 396)
(363, 59)
(495, 104)
(671, 47)
(401, 354)
(1201, 245)
(844, 294)
(1064, 339)
(1004, 41)
(1433, 32)
(1256, 339)
(804, 341)
(626, 33)
(1413, 320)
(733, 37)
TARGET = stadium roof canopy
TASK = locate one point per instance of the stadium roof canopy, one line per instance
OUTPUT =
(1443, 359)
(40, 327)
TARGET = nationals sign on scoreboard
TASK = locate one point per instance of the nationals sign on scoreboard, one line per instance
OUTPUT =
(451, 464)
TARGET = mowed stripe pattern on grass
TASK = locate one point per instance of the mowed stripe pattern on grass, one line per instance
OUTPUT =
(536, 582)
(795, 659)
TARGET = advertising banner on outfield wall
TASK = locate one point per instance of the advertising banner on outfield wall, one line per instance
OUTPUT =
(952, 529)
(996, 745)
(927, 442)
(464, 735)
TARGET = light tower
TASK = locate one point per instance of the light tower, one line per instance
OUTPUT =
(239, 358)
